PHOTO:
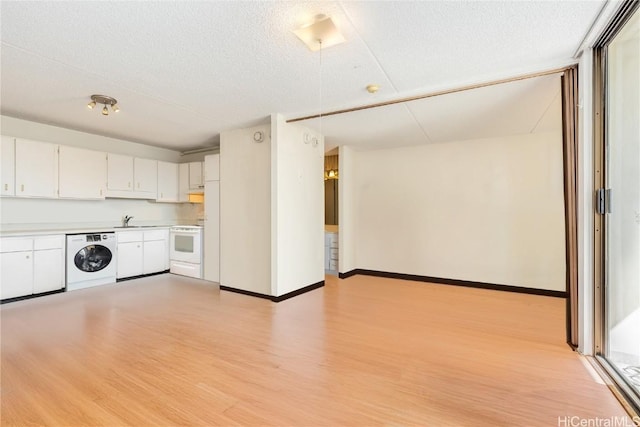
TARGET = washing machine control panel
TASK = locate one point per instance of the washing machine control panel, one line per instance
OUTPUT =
(99, 237)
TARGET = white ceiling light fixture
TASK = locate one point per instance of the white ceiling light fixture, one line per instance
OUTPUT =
(321, 29)
(106, 101)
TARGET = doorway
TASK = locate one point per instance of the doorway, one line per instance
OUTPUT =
(331, 176)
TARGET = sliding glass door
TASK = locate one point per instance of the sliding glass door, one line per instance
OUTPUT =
(620, 203)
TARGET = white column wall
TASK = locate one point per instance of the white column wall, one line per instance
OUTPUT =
(245, 210)
(346, 210)
(297, 207)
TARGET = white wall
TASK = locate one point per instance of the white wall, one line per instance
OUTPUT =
(21, 213)
(347, 210)
(245, 210)
(297, 207)
(488, 210)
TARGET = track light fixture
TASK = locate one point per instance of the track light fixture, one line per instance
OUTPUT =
(106, 101)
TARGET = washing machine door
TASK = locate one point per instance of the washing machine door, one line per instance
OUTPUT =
(93, 258)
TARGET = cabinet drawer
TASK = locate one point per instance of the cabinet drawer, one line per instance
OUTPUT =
(333, 265)
(48, 242)
(129, 236)
(334, 253)
(156, 235)
(15, 244)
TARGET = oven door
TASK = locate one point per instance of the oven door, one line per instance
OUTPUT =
(185, 246)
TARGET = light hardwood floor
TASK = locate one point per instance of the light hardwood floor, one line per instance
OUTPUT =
(168, 350)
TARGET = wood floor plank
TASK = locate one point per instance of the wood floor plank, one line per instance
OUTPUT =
(169, 350)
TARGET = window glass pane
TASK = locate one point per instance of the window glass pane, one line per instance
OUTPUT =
(623, 223)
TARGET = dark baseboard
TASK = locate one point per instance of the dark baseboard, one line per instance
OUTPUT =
(298, 291)
(347, 274)
(243, 292)
(7, 300)
(274, 298)
(454, 282)
(124, 279)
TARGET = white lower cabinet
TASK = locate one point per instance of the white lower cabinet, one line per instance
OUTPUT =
(17, 274)
(48, 271)
(31, 265)
(156, 251)
(142, 252)
(129, 260)
(130, 255)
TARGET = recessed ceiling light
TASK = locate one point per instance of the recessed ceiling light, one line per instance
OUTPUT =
(322, 31)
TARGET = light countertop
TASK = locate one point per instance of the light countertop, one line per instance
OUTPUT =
(44, 229)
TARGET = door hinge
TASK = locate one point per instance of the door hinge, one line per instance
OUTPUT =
(603, 201)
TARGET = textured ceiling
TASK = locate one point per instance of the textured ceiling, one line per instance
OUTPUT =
(515, 108)
(185, 71)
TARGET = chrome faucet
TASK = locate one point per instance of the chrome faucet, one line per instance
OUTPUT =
(125, 220)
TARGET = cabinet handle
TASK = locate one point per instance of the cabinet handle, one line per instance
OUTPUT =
(101, 192)
(27, 256)
(138, 245)
(6, 187)
(129, 184)
(22, 187)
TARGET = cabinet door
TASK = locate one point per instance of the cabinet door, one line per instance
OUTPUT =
(155, 256)
(146, 175)
(129, 259)
(167, 182)
(7, 163)
(119, 172)
(16, 275)
(36, 169)
(195, 176)
(212, 231)
(212, 167)
(48, 272)
(183, 182)
(82, 173)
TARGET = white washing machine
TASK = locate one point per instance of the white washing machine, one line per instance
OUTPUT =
(91, 260)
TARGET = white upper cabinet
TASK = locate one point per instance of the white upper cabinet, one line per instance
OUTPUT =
(183, 182)
(7, 163)
(132, 178)
(145, 172)
(195, 176)
(36, 169)
(82, 173)
(119, 172)
(212, 167)
(167, 182)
